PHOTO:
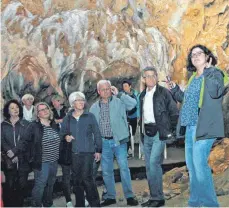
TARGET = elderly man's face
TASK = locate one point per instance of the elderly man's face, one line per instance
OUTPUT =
(150, 78)
(57, 103)
(104, 90)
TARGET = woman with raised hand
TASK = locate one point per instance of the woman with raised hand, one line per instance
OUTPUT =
(201, 121)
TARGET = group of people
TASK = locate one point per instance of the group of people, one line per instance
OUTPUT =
(37, 138)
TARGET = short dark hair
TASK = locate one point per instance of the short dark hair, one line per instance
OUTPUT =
(149, 68)
(190, 66)
(6, 113)
(126, 81)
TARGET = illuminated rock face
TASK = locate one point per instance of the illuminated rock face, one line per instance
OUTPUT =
(61, 46)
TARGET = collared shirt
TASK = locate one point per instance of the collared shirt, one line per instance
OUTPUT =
(148, 106)
(28, 114)
(104, 120)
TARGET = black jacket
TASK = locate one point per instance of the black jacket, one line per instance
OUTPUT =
(10, 139)
(33, 139)
(165, 111)
(62, 113)
(85, 131)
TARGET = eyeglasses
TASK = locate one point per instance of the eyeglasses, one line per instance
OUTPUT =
(197, 54)
(149, 77)
(80, 100)
(105, 89)
(43, 110)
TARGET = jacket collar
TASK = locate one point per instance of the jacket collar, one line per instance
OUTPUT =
(72, 110)
(156, 90)
(18, 122)
(109, 100)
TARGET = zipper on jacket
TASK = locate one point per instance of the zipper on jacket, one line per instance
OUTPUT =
(15, 140)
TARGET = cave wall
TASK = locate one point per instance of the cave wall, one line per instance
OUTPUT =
(56, 46)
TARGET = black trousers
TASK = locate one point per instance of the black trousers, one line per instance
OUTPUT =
(15, 188)
(133, 123)
(66, 182)
(83, 180)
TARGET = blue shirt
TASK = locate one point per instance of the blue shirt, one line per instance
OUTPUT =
(189, 111)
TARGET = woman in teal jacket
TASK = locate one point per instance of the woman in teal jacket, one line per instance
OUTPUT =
(201, 120)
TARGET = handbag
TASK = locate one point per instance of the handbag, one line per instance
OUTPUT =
(7, 162)
(65, 157)
(150, 129)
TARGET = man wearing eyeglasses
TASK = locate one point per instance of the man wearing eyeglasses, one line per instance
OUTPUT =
(110, 112)
(158, 119)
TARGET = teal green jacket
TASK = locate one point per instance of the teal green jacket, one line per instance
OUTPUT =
(210, 122)
(118, 105)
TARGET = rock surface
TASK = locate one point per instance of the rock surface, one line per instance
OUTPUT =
(60, 46)
(219, 157)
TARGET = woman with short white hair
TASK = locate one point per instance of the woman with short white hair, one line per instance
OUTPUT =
(81, 129)
(28, 108)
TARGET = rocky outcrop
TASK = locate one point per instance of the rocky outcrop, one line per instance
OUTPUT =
(176, 181)
(219, 157)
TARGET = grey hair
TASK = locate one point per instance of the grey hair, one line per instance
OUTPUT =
(149, 68)
(103, 81)
(36, 110)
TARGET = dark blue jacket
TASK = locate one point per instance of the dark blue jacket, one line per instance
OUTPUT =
(85, 131)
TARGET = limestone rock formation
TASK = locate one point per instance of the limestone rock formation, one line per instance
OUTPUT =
(61, 46)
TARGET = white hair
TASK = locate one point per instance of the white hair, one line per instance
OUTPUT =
(74, 96)
(27, 96)
(103, 81)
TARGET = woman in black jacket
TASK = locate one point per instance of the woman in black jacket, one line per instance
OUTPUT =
(43, 138)
(12, 129)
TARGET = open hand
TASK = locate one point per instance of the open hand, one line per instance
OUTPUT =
(114, 90)
(10, 153)
(69, 138)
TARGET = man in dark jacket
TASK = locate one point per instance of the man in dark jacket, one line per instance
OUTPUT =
(158, 119)
(59, 110)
